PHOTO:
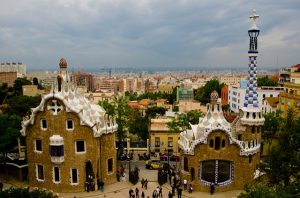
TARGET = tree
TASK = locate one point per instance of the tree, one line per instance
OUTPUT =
(182, 121)
(203, 94)
(152, 112)
(5, 92)
(35, 81)
(19, 82)
(108, 107)
(193, 116)
(271, 126)
(265, 81)
(258, 190)
(122, 112)
(10, 126)
(21, 105)
(284, 160)
(138, 124)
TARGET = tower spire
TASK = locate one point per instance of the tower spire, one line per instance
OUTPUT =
(252, 112)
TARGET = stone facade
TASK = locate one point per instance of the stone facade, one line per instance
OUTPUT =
(70, 142)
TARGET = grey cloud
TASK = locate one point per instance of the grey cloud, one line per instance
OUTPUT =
(145, 33)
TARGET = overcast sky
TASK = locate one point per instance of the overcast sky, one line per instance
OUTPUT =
(146, 33)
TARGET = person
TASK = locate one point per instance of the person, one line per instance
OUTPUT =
(179, 192)
(160, 192)
(137, 192)
(173, 189)
(190, 188)
(185, 184)
(143, 194)
(142, 182)
(212, 188)
(154, 194)
(157, 191)
(170, 195)
(131, 193)
(98, 184)
(102, 185)
(146, 183)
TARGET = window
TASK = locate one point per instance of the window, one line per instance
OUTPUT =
(211, 143)
(217, 143)
(38, 145)
(43, 124)
(253, 129)
(57, 151)
(56, 174)
(185, 164)
(110, 165)
(157, 142)
(239, 137)
(80, 146)
(216, 171)
(74, 176)
(223, 143)
(69, 124)
(40, 172)
(250, 159)
(170, 142)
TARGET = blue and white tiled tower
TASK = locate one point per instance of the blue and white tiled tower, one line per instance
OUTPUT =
(252, 112)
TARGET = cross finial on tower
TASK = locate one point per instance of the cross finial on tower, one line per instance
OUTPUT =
(253, 17)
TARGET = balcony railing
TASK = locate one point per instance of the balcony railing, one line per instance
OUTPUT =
(57, 159)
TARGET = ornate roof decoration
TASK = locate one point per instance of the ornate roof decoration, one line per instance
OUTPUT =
(214, 96)
(213, 120)
(63, 63)
(90, 114)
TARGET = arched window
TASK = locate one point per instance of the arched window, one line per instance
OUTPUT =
(250, 159)
(211, 143)
(253, 129)
(217, 143)
(185, 164)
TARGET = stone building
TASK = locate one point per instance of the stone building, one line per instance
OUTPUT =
(216, 152)
(70, 142)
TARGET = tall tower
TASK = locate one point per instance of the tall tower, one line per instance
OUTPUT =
(252, 112)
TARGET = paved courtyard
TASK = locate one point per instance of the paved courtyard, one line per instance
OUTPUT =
(121, 189)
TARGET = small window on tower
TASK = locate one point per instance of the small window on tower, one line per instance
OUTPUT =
(70, 125)
(43, 124)
(211, 143)
(223, 143)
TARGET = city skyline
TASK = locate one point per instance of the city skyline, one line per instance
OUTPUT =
(143, 34)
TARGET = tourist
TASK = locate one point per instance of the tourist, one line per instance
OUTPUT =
(137, 195)
(146, 183)
(173, 189)
(190, 188)
(143, 194)
(131, 193)
(170, 195)
(212, 188)
(98, 184)
(160, 192)
(179, 192)
(157, 191)
(185, 184)
(142, 182)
